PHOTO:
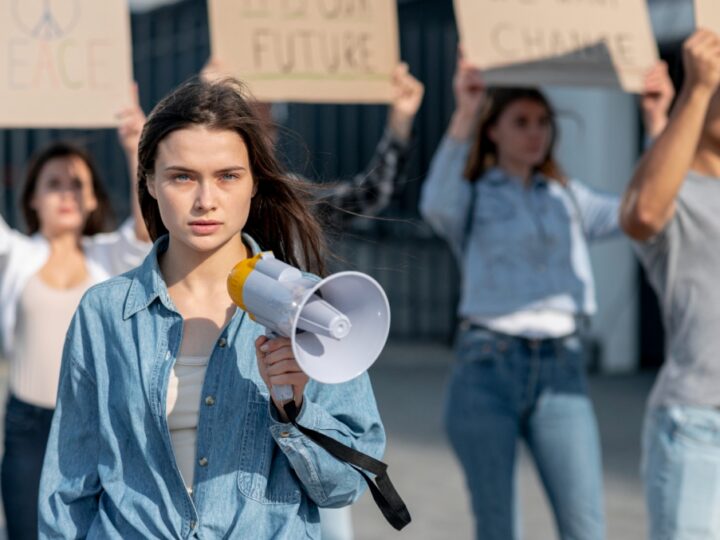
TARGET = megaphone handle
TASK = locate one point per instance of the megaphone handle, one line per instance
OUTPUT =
(282, 392)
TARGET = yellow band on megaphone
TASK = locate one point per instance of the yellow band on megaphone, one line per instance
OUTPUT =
(237, 277)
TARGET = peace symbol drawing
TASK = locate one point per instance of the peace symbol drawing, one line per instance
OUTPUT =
(46, 20)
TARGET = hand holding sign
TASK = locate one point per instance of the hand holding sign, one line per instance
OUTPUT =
(468, 86)
(469, 89)
(132, 119)
(407, 97)
(701, 58)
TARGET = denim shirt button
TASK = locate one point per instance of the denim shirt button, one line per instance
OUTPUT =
(209, 401)
(193, 524)
(284, 434)
(222, 342)
(203, 462)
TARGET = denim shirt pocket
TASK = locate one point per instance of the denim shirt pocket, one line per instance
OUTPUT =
(265, 474)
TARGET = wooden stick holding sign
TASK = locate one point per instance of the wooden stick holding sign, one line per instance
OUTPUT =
(559, 42)
(318, 51)
(707, 15)
(64, 64)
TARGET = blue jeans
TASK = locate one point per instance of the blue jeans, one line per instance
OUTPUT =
(27, 428)
(681, 466)
(504, 388)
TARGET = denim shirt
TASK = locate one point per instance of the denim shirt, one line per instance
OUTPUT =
(109, 469)
(522, 247)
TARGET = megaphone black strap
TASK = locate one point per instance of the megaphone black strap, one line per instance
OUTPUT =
(383, 492)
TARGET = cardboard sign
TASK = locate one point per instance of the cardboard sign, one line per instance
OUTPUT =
(707, 14)
(559, 42)
(318, 51)
(64, 63)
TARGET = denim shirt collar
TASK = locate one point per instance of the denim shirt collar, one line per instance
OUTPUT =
(498, 176)
(148, 283)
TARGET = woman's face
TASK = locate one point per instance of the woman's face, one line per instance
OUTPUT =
(203, 185)
(523, 133)
(64, 196)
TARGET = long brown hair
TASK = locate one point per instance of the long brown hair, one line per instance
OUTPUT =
(483, 154)
(102, 219)
(281, 218)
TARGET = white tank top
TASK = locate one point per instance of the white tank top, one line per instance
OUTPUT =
(183, 408)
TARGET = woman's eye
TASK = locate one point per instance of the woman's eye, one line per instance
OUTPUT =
(229, 177)
(181, 177)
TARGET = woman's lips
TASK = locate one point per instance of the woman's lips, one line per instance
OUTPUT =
(204, 228)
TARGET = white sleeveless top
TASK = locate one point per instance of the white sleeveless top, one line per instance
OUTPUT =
(183, 408)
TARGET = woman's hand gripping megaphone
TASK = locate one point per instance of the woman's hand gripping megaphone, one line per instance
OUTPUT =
(278, 367)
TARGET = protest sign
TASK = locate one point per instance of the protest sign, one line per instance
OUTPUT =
(707, 14)
(321, 51)
(64, 63)
(559, 42)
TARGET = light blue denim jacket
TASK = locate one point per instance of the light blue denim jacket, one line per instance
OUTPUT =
(109, 468)
(521, 248)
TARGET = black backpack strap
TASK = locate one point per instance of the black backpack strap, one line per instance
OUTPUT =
(381, 488)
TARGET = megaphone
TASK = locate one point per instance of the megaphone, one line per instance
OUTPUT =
(337, 326)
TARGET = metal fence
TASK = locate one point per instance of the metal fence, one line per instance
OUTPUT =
(171, 44)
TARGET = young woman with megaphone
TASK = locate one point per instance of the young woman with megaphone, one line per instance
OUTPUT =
(166, 426)
(520, 231)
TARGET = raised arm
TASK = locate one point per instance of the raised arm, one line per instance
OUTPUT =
(446, 195)
(132, 120)
(649, 201)
(369, 192)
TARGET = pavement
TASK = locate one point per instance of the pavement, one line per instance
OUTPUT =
(409, 382)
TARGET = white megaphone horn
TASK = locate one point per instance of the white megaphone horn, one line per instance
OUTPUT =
(337, 326)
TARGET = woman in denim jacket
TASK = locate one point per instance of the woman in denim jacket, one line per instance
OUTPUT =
(520, 231)
(165, 427)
